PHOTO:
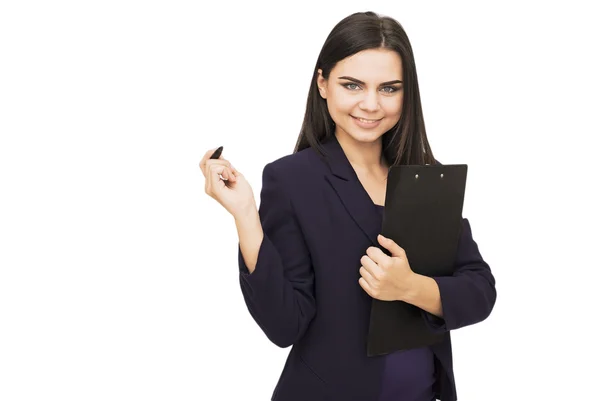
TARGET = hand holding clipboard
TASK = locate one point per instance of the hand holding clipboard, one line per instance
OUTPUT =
(423, 215)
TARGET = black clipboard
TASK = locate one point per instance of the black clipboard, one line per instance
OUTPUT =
(423, 214)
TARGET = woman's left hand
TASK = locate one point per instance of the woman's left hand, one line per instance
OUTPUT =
(383, 277)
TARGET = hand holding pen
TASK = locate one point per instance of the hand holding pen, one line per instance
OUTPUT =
(226, 184)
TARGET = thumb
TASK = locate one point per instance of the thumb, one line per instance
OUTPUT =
(391, 246)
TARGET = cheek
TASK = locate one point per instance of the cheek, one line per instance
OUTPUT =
(341, 102)
(393, 107)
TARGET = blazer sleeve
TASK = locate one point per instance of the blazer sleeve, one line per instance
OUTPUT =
(279, 293)
(469, 295)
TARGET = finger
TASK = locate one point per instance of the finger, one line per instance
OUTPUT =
(222, 162)
(378, 256)
(211, 162)
(224, 174)
(231, 174)
(371, 267)
(228, 175)
(207, 156)
(364, 273)
(213, 178)
(208, 153)
(209, 182)
(217, 170)
(365, 286)
(236, 173)
(391, 246)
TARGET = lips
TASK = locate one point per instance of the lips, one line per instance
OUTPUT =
(366, 120)
(366, 124)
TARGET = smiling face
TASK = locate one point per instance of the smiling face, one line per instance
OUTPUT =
(364, 94)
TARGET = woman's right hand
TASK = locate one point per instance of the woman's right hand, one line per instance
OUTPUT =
(233, 192)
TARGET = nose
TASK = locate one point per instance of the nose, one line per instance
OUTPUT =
(370, 102)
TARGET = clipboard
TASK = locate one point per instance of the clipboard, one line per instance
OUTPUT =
(422, 214)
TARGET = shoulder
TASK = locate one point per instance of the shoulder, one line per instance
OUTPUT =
(295, 176)
(303, 164)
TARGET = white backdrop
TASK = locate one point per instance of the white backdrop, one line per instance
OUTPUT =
(119, 276)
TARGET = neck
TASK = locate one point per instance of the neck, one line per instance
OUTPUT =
(363, 156)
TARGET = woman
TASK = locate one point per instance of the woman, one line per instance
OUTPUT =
(311, 259)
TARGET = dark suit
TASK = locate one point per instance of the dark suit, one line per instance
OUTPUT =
(318, 221)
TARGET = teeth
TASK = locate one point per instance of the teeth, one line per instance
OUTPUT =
(366, 121)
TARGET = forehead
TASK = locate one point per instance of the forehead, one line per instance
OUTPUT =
(373, 65)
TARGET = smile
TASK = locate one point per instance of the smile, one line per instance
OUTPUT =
(365, 120)
(365, 123)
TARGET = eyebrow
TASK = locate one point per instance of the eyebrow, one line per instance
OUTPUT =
(362, 83)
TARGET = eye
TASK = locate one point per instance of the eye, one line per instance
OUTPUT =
(390, 89)
(348, 86)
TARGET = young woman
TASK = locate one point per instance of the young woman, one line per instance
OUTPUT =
(311, 258)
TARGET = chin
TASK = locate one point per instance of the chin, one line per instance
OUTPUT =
(365, 136)
(369, 138)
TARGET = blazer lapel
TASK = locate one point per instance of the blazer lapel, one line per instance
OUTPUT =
(352, 194)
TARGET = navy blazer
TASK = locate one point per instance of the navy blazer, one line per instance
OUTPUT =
(318, 221)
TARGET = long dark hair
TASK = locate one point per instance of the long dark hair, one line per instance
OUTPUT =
(406, 142)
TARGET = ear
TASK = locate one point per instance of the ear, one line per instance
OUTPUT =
(321, 84)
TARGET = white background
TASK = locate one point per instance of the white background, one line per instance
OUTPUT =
(119, 276)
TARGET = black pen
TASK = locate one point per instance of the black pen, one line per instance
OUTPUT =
(217, 153)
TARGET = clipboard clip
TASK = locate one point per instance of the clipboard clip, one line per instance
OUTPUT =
(417, 176)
